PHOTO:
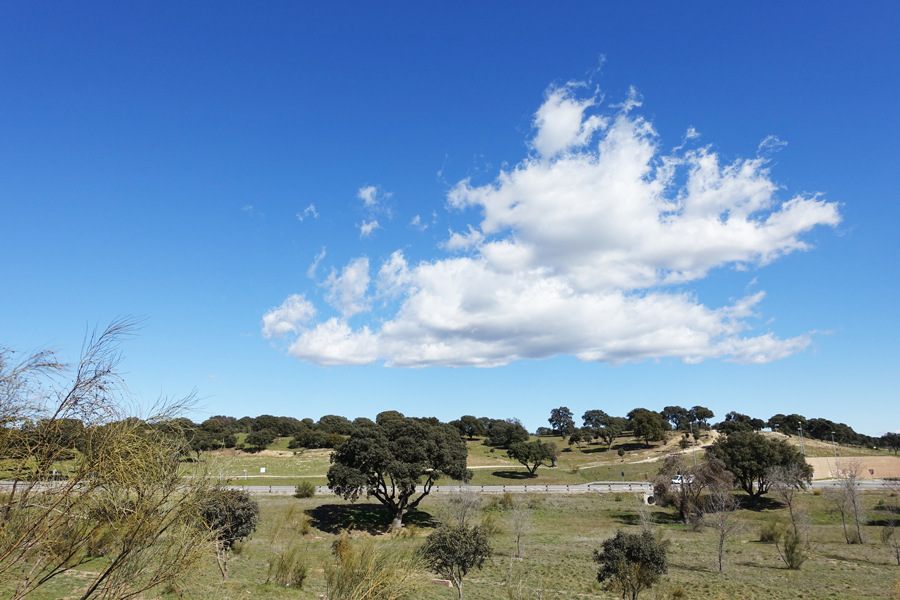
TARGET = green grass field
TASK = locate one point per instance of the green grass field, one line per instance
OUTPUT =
(566, 529)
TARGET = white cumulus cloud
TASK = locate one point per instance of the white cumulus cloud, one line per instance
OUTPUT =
(575, 252)
(368, 195)
(347, 291)
(367, 227)
(288, 318)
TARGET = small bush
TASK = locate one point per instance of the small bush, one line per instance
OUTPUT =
(506, 500)
(817, 492)
(306, 489)
(771, 531)
(678, 594)
(408, 531)
(364, 571)
(791, 550)
(288, 567)
(574, 470)
(341, 546)
(491, 524)
(237, 548)
(618, 497)
(304, 524)
(535, 501)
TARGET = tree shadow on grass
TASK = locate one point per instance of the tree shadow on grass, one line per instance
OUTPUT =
(371, 518)
(634, 446)
(747, 563)
(595, 450)
(633, 518)
(513, 475)
(763, 503)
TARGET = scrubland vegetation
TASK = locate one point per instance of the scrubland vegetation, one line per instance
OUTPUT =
(557, 560)
(98, 503)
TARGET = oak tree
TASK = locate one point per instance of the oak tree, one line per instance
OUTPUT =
(387, 461)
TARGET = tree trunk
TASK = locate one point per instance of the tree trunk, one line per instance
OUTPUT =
(222, 560)
(844, 524)
(721, 548)
(397, 523)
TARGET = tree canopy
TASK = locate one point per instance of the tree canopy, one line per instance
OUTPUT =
(531, 454)
(503, 433)
(454, 550)
(260, 440)
(750, 456)
(648, 425)
(561, 421)
(631, 562)
(387, 461)
(232, 515)
(603, 426)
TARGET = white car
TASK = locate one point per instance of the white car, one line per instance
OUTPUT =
(681, 479)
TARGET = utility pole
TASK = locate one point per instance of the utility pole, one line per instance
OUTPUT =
(802, 447)
(834, 447)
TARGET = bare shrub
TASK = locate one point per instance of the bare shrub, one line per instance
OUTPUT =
(721, 516)
(708, 475)
(890, 536)
(460, 507)
(646, 517)
(847, 499)
(786, 482)
(519, 521)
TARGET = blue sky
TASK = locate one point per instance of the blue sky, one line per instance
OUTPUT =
(596, 206)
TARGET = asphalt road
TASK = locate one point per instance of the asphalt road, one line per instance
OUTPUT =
(594, 486)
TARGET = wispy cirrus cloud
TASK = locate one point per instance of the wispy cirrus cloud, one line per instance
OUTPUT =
(308, 211)
(311, 271)
(576, 251)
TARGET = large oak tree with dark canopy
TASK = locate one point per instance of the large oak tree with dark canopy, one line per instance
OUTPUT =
(388, 460)
(751, 456)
